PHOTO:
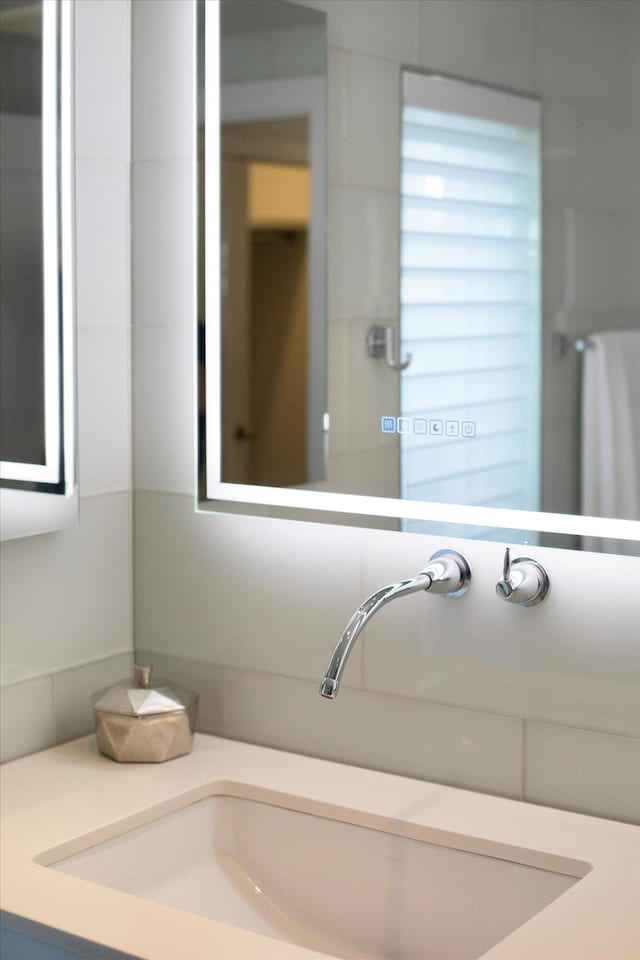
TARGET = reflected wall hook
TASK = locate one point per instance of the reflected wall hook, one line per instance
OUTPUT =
(381, 342)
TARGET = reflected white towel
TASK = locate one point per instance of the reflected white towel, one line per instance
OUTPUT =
(611, 430)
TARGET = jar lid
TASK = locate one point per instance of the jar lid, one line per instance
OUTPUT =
(140, 699)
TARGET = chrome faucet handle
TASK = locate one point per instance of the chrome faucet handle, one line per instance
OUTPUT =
(524, 581)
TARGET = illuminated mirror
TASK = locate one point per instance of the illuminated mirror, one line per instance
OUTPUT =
(37, 442)
(474, 277)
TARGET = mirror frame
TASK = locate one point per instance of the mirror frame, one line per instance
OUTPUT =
(49, 499)
(307, 504)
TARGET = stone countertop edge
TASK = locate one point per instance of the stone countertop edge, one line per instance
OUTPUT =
(51, 801)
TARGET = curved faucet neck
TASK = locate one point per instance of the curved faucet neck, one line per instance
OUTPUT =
(331, 683)
(448, 574)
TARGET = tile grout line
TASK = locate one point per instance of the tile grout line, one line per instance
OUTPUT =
(523, 779)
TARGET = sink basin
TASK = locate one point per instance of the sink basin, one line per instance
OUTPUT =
(337, 887)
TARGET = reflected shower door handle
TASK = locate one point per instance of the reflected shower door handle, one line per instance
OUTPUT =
(382, 342)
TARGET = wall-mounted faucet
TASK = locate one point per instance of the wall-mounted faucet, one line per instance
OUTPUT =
(524, 581)
(447, 574)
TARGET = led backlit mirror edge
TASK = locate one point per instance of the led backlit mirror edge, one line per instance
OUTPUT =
(292, 503)
(25, 512)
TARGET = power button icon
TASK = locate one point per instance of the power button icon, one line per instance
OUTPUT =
(468, 428)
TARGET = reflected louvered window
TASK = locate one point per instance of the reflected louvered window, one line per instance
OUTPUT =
(470, 296)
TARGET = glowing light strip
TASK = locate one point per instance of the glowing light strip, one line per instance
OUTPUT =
(310, 499)
(50, 234)
(212, 261)
(49, 472)
(67, 180)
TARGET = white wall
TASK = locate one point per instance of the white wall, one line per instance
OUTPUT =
(537, 704)
(67, 597)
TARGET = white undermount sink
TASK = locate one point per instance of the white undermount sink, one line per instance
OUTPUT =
(332, 886)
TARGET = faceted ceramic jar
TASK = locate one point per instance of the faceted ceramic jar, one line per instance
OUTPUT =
(140, 723)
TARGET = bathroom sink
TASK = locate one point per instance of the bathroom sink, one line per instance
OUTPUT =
(337, 887)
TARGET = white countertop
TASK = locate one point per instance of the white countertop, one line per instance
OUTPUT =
(51, 800)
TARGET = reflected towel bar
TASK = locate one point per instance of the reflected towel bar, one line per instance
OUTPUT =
(561, 344)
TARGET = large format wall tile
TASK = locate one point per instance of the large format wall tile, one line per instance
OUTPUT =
(163, 408)
(26, 718)
(102, 243)
(104, 409)
(163, 243)
(72, 691)
(163, 39)
(264, 594)
(103, 79)
(66, 596)
(574, 660)
(580, 770)
(460, 747)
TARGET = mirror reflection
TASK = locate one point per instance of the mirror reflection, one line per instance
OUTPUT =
(36, 388)
(22, 437)
(37, 273)
(483, 310)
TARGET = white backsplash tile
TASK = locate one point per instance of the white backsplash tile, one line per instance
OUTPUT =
(581, 770)
(26, 718)
(560, 662)
(69, 600)
(218, 593)
(459, 747)
(72, 690)
(104, 409)
(201, 677)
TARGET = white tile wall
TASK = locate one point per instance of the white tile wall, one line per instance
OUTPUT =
(162, 33)
(459, 747)
(583, 771)
(67, 596)
(486, 40)
(104, 409)
(26, 711)
(241, 626)
(363, 253)
(163, 200)
(164, 395)
(102, 248)
(364, 153)
(103, 79)
(38, 713)
(561, 661)
(437, 688)
(574, 39)
(378, 29)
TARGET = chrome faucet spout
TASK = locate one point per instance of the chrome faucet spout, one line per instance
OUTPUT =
(447, 574)
(331, 682)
